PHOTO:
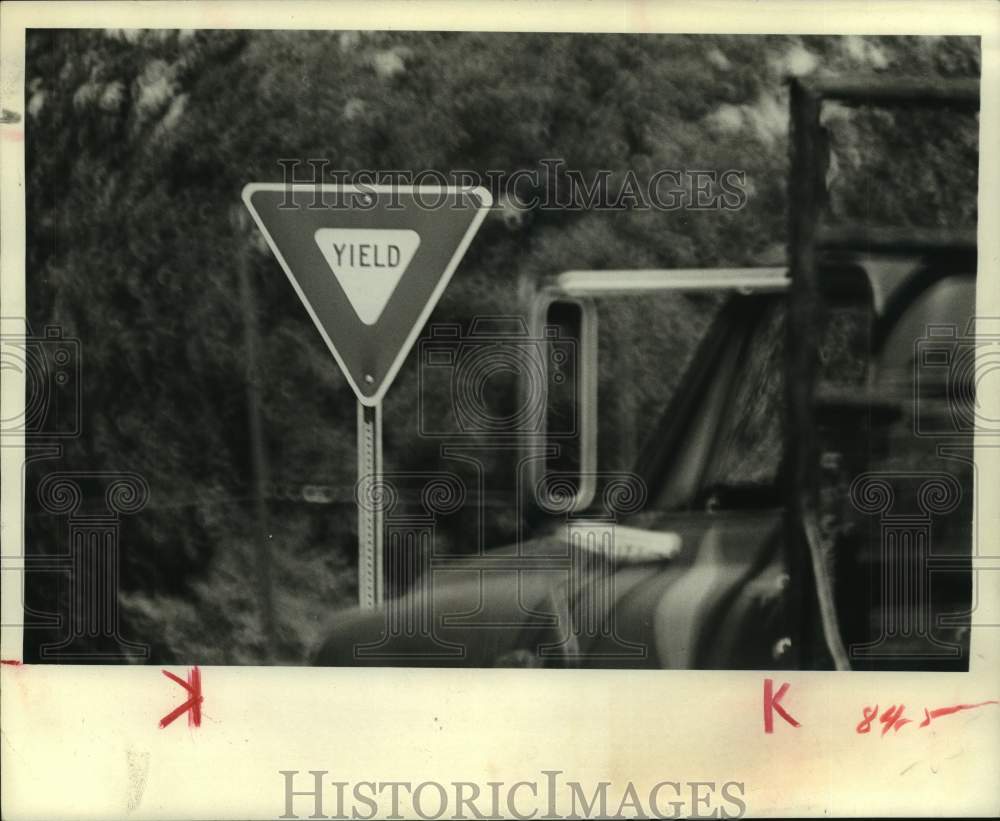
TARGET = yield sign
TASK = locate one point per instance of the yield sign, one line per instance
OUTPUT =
(369, 263)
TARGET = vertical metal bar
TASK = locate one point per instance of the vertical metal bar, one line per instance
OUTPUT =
(370, 554)
(258, 453)
(802, 326)
(809, 559)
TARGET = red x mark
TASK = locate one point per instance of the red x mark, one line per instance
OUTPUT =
(193, 705)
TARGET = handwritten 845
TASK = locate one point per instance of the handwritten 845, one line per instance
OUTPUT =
(892, 717)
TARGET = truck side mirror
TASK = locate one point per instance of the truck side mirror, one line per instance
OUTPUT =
(561, 452)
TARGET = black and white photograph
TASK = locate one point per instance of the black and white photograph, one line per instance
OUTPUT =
(699, 393)
(424, 347)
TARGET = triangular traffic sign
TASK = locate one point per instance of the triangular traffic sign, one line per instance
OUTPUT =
(369, 263)
(368, 283)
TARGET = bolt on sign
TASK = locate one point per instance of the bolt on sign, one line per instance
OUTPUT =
(369, 264)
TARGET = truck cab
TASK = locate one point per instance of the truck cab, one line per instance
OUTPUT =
(789, 484)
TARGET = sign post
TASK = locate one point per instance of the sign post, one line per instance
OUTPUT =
(371, 583)
(369, 264)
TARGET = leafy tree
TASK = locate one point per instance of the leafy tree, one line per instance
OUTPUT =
(138, 143)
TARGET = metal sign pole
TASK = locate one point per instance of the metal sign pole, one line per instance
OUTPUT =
(370, 558)
(327, 255)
